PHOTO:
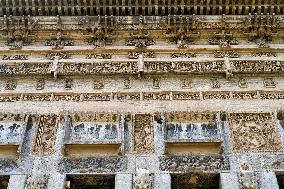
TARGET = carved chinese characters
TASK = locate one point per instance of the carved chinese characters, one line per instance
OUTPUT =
(143, 134)
(254, 132)
(95, 127)
(45, 134)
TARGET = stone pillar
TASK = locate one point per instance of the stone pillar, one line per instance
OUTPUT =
(268, 180)
(123, 181)
(17, 182)
(56, 181)
(162, 181)
(229, 180)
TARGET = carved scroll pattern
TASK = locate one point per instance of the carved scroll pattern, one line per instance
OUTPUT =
(252, 132)
(45, 136)
(143, 134)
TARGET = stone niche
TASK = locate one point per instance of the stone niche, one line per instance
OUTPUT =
(12, 127)
(280, 180)
(195, 181)
(90, 181)
(91, 134)
(4, 181)
(192, 133)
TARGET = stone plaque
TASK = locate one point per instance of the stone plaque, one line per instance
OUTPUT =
(143, 134)
(45, 134)
(254, 132)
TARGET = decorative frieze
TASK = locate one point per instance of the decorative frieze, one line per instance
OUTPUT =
(146, 54)
(183, 55)
(269, 83)
(254, 132)
(143, 134)
(99, 56)
(186, 95)
(127, 96)
(60, 55)
(156, 96)
(46, 129)
(190, 116)
(15, 57)
(10, 85)
(222, 54)
(93, 165)
(185, 164)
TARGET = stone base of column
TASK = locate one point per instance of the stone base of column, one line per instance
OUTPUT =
(229, 181)
(123, 181)
(268, 181)
(56, 181)
(162, 181)
(17, 182)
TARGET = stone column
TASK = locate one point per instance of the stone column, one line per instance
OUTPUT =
(268, 180)
(56, 181)
(162, 181)
(17, 182)
(123, 181)
(229, 180)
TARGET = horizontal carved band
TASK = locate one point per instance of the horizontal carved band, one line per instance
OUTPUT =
(237, 66)
(176, 95)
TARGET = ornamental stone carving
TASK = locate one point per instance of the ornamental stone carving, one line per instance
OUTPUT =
(37, 183)
(46, 128)
(143, 134)
(143, 179)
(269, 83)
(254, 132)
(10, 85)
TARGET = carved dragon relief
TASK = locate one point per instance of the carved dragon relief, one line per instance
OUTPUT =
(19, 30)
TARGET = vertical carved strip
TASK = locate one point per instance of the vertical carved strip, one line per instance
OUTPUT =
(143, 134)
(45, 135)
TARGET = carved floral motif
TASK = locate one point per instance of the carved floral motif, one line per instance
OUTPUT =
(254, 132)
(143, 134)
(45, 134)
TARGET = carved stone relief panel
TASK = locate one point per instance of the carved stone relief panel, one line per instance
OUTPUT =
(143, 134)
(10, 85)
(143, 179)
(215, 83)
(45, 134)
(186, 83)
(127, 83)
(254, 132)
(40, 84)
(269, 83)
(11, 128)
(156, 83)
(68, 84)
(248, 180)
(243, 83)
(99, 127)
(98, 84)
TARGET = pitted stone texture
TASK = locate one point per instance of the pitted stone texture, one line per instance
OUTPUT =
(162, 181)
(56, 181)
(268, 180)
(229, 180)
(123, 181)
(17, 182)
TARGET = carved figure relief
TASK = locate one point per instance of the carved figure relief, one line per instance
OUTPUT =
(40, 84)
(10, 85)
(248, 180)
(99, 56)
(146, 54)
(186, 83)
(60, 55)
(181, 30)
(98, 84)
(269, 83)
(143, 134)
(68, 84)
(223, 54)
(254, 132)
(143, 179)
(242, 83)
(15, 57)
(141, 37)
(261, 28)
(45, 134)
(127, 83)
(59, 39)
(156, 83)
(19, 30)
(215, 83)
(98, 32)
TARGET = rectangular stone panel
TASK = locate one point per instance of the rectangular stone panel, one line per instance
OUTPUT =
(254, 132)
(45, 134)
(143, 134)
(95, 127)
